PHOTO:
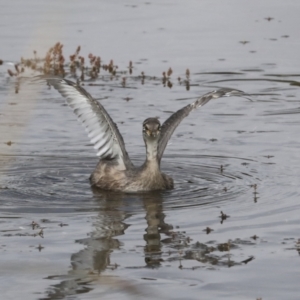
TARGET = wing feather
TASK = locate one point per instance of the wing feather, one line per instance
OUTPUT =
(174, 120)
(97, 138)
(101, 129)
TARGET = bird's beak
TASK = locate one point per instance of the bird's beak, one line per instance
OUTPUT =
(152, 133)
(149, 133)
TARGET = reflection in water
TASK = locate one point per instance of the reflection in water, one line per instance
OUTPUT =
(156, 225)
(88, 264)
(152, 203)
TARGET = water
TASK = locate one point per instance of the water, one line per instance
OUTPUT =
(61, 240)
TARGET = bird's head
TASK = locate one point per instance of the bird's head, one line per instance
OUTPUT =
(151, 128)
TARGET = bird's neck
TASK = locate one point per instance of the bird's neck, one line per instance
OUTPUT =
(151, 153)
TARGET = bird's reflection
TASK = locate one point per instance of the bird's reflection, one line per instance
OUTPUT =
(114, 211)
(155, 218)
(152, 204)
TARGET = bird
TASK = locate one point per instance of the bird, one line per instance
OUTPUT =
(115, 171)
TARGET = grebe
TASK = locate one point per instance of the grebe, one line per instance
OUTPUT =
(115, 171)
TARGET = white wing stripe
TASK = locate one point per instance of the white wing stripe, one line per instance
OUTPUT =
(100, 144)
(105, 150)
(97, 138)
(94, 133)
(102, 131)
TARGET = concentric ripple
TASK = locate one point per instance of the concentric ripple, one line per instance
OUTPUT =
(208, 180)
(60, 184)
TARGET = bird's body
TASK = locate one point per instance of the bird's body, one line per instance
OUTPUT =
(115, 171)
(108, 175)
(147, 177)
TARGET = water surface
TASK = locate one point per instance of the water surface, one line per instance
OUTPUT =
(60, 239)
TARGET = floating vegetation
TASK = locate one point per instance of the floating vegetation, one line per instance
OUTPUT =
(166, 78)
(208, 230)
(269, 19)
(244, 42)
(223, 217)
(207, 254)
(86, 69)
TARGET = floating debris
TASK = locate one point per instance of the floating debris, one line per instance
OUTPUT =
(208, 230)
(11, 73)
(187, 85)
(224, 247)
(247, 260)
(130, 67)
(34, 225)
(63, 224)
(223, 217)
(169, 73)
(297, 245)
(143, 77)
(166, 78)
(254, 186)
(40, 247)
(255, 193)
(123, 81)
(187, 74)
(41, 233)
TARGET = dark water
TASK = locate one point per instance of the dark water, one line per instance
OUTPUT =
(234, 157)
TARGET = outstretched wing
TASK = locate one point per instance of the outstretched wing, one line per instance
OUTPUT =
(174, 120)
(102, 131)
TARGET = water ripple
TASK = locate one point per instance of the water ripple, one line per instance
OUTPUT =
(58, 183)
